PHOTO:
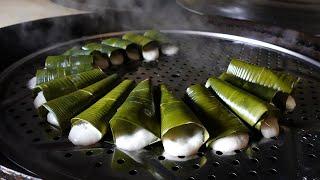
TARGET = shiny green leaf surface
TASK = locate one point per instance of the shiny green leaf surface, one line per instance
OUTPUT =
(175, 113)
(62, 86)
(97, 114)
(260, 75)
(218, 120)
(137, 111)
(68, 106)
(247, 106)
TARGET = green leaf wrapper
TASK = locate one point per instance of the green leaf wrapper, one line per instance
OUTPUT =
(97, 114)
(247, 106)
(70, 63)
(137, 111)
(118, 42)
(53, 62)
(263, 76)
(175, 113)
(45, 75)
(139, 39)
(105, 49)
(157, 36)
(219, 121)
(68, 106)
(263, 92)
(68, 84)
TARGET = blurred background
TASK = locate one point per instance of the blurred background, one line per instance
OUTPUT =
(301, 15)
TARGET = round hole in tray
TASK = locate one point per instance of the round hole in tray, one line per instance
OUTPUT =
(254, 160)
(181, 157)
(67, 155)
(310, 145)
(233, 175)
(216, 164)
(272, 171)
(89, 153)
(273, 158)
(175, 168)
(56, 138)
(23, 124)
(133, 172)
(36, 140)
(211, 177)
(255, 149)
(313, 156)
(252, 173)
(274, 147)
(98, 164)
(120, 161)
(196, 166)
(29, 131)
(235, 162)
(110, 151)
(161, 158)
(219, 153)
(200, 154)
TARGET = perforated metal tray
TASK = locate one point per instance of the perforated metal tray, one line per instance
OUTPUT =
(31, 143)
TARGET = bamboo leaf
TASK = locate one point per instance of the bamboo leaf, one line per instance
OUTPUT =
(263, 76)
(62, 86)
(66, 107)
(261, 91)
(97, 114)
(157, 36)
(138, 39)
(175, 113)
(137, 111)
(219, 121)
(247, 106)
(117, 42)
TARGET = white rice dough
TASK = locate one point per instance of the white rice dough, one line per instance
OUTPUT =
(39, 100)
(52, 119)
(231, 143)
(270, 127)
(290, 103)
(84, 134)
(32, 83)
(184, 140)
(169, 49)
(135, 141)
(151, 54)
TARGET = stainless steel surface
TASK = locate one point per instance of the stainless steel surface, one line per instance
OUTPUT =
(291, 14)
(293, 155)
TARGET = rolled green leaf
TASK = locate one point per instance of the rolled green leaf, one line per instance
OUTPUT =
(227, 132)
(167, 46)
(150, 48)
(182, 133)
(157, 36)
(53, 62)
(251, 109)
(45, 75)
(81, 60)
(62, 86)
(282, 100)
(115, 54)
(90, 125)
(62, 109)
(263, 76)
(134, 126)
(131, 48)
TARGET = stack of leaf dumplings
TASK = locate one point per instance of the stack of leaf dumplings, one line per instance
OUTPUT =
(75, 95)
